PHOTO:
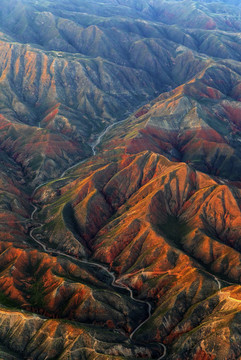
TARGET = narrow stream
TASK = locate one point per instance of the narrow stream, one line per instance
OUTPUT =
(115, 283)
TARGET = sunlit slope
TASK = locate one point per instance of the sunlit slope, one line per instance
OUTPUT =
(166, 229)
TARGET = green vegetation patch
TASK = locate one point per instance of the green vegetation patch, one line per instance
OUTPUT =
(174, 229)
(6, 301)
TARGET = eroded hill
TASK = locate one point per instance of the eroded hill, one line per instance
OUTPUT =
(135, 251)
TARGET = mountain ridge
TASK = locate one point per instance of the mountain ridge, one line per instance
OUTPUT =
(120, 206)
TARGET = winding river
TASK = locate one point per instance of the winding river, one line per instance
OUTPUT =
(115, 283)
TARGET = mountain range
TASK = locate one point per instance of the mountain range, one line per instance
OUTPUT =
(120, 181)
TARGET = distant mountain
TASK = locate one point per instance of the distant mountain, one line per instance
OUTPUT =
(71, 73)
